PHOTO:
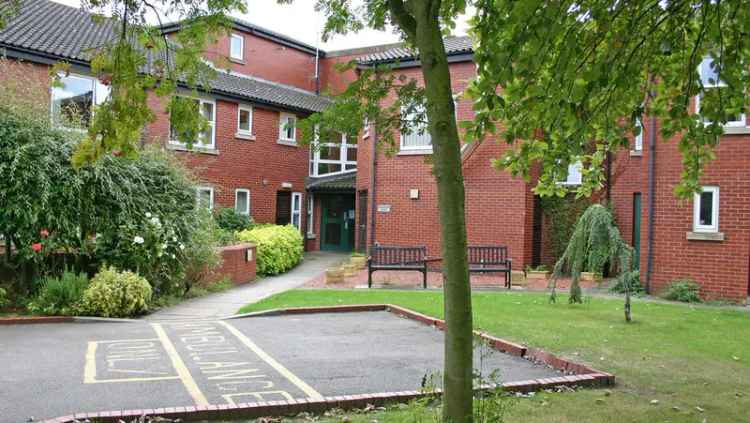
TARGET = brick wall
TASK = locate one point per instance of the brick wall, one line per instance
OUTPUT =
(235, 265)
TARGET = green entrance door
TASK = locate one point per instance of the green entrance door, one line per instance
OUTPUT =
(337, 223)
(637, 230)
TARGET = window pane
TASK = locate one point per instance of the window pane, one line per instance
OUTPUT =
(329, 152)
(207, 110)
(295, 203)
(574, 174)
(324, 168)
(241, 203)
(639, 138)
(709, 76)
(204, 198)
(706, 208)
(416, 135)
(244, 121)
(236, 49)
(289, 128)
(351, 153)
(71, 103)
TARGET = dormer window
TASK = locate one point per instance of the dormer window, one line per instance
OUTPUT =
(237, 47)
(709, 71)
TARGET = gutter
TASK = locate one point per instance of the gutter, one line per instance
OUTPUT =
(651, 202)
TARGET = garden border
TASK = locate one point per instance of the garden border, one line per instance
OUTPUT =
(36, 320)
(574, 375)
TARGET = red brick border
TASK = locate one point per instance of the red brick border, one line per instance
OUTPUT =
(574, 374)
(30, 320)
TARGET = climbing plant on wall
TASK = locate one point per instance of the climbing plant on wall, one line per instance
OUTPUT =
(560, 216)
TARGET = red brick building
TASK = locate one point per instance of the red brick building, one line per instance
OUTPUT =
(348, 195)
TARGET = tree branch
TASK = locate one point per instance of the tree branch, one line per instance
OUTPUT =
(405, 20)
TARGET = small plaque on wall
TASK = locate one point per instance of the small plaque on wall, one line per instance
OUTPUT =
(249, 255)
(384, 208)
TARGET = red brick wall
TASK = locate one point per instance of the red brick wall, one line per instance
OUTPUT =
(235, 266)
(259, 165)
(266, 59)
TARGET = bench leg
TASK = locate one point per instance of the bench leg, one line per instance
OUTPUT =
(424, 279)
(507, 280)
(369, 278)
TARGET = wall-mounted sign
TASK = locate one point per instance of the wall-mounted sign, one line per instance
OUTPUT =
(384, 208)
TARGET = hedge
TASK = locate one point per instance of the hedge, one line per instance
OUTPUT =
(279, 247)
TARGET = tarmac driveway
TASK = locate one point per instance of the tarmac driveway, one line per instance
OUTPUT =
(51, 370)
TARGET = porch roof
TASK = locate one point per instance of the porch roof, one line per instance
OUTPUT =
(333, 183)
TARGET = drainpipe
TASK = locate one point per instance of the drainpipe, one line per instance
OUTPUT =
(373, 187)
(651, 193)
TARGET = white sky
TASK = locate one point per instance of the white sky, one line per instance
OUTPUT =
(300, 21)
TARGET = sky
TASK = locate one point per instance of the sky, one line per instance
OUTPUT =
(300, 21)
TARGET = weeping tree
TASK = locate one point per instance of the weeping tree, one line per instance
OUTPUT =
(594, 244)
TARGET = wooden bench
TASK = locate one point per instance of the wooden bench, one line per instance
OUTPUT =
(397, 258)
(490, 259)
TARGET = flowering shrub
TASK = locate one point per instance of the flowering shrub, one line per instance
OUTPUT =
(60, 295)
(279, 247)
(116, 294)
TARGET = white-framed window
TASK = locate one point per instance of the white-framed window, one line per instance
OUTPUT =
(638, 139)
(207, 138)
(204, 197)
(244, 120)
(333, 157)
(706, 210)
(708, 71)
(297, 210)
(287, 128)
(416, 136)
(242, 201)
(310, 210)
(237, 47)
(575, 177)
(74, 99)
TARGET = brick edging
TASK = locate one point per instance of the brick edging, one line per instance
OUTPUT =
(30, 320)
(574, 375)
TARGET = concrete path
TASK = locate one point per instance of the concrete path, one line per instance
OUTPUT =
(227, 303)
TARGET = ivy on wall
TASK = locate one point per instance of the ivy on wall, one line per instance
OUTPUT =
(560, 216)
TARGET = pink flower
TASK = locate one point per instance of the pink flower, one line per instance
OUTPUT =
(117, 153)
(37, 246)
(44, 233)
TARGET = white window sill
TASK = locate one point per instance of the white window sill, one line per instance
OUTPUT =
(636, 153)
(244, 136)
(736, 130)
(311, 236)
(365, 136)
(705, 236)
(195, 149)
(235, 60)
(290, 143)
(415, 152)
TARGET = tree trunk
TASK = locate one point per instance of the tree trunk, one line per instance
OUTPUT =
(458, 367)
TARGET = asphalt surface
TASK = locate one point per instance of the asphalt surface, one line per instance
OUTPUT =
(51, 370)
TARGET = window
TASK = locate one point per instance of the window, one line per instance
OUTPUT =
(333, 157)
(287, 128)
(204, 197)
(244, 120)
(366, 128)
(709, 74)
(706, 210)
(310, 222)
(207, 138)
(297, 209)
(574, 174)
(237, 47)
(242, 201)
(416, 136)
(638, 141)
(73, 101)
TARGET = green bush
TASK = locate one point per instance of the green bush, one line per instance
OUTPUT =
(60, 296)
(684, 290)
(116, 294)
(201, 253)
(632, 278)
(4, 301)
(228, 219)
(279, 247)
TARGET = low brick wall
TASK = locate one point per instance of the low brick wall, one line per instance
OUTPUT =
(238, 264)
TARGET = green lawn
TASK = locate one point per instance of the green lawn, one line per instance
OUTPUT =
(683, 356)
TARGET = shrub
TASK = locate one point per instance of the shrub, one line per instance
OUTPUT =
(201, 252)
(633, 278)
(60, 295)
(684, 290)
(4, 301)
(279, 247)
(116, 294)
(228, 219)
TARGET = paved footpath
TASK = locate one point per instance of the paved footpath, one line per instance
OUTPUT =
(227, 303)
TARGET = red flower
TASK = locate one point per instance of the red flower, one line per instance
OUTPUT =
(37, 246)
(117, 153)
(44, 233)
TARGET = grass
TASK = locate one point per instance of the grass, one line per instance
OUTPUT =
(695, 360)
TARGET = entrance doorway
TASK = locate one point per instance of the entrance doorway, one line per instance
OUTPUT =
(337, 223)
(283, 207)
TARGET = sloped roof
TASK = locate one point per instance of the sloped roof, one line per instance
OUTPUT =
(46, 28)
(56, 29)
(453, 46)
(340, 182)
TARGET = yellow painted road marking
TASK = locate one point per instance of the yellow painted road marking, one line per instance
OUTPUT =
(307, 389)
(179, 366)
(89, 370)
